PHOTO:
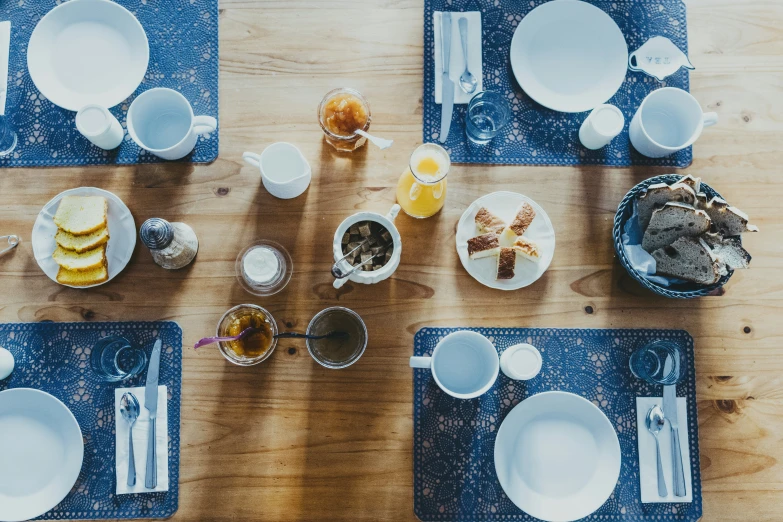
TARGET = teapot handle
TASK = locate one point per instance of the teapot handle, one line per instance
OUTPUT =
(392, 215)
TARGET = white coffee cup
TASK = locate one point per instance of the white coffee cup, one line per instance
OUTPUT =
(162, 122)
(667, 121)
(285, 172)
(99, 126)
(464, 364)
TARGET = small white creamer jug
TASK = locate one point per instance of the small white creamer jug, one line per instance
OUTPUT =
(285, 172)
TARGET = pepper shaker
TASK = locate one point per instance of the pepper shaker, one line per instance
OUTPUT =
(172, 245)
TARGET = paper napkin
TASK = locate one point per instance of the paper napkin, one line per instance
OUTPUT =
(456, 58)
(648, 467)
(140, 437)
(5, 44)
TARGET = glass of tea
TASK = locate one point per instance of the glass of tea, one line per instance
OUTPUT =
(253, 348)
(341, 113)
(337, 352)
(421, 190)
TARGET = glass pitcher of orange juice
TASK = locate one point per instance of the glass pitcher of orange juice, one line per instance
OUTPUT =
(421, 190)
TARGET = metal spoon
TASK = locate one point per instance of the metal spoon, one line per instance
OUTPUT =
(654, 422)
(379, 142)
(129, 409)
(283, 335)
(467, 81)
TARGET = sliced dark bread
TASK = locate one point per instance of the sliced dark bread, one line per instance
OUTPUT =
(727, 220)
(728, 250)
(658, 195)
(694, 183)
(689, 258)
(673, 221)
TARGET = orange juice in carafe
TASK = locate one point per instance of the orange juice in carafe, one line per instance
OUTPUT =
(421, 190)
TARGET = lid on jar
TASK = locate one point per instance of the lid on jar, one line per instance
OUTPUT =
(521, 362)
(156, 233)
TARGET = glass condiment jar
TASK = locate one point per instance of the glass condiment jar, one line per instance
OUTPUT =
(339, 130)
(172, 245)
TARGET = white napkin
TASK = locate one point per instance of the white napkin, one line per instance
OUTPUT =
(140, 437)
(456, 60)
(5, 44)
(648, 467)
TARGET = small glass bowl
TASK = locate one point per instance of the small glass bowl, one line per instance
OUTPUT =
(312, 344)
(222, 331)
(285, 269)
(344, 143)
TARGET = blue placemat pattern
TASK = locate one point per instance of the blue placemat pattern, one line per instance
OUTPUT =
(454, 440)
(183, 40)
(54, 357)
(537, 135)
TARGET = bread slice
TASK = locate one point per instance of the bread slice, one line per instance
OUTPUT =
(519, 225)
(484, 246)
(81, 215)
(673, 221)
(527, 248)
(658, 195)
(486, 221)
(82, 243)
(689, 258)
(694, 183)
(507, 261)
(80, 262)
(727, 220)
(84, 277)
(728, 250)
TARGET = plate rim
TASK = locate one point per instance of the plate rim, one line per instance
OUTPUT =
(494, 284)
(58, 100)
(575, 108)
(75, 423)
(43, 215)
(588, 405)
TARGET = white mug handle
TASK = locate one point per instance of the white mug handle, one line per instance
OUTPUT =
(204, 124)
(710, 119)
(252, 158)
(421, 362)
(392, 215)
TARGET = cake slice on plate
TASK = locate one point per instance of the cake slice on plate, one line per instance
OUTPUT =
(507, 260)
(486, 245)
(486, 221)
(80, 215)
(526, 248)
(522, 220)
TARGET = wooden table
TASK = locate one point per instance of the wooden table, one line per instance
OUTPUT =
(291, 441)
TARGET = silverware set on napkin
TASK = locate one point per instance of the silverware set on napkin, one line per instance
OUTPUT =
(467, 81)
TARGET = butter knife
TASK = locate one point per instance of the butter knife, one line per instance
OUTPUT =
(670, 413)
(151, 403)
(447, 105)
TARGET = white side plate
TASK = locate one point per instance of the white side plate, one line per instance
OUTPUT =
(569, 55)
(557, 456)
(122, 233)
(505, 205)
(88, 51)
(42, 452)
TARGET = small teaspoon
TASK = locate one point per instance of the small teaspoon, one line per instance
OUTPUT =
(129, 409)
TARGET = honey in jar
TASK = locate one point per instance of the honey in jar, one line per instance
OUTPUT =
(341, 113)
(254, 344)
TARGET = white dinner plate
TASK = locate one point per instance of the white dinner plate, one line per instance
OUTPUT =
(557, 456)
(88, 51)
(569, 55)
(42, 452)
(122, 233)
(505, 205)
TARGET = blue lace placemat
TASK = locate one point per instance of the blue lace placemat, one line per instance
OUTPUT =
(454, 476)
(183, 39)
(54, 357)
(537, 135)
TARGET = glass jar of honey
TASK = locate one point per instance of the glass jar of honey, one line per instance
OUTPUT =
(340, 113)
(253, 348)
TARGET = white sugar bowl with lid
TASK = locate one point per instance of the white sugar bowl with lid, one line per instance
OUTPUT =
(364, 276)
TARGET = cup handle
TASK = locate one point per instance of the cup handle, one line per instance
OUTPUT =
(421, 362)
(392, 215)
(252, 158)
(204, 124)
(710, 119)
(631, 59)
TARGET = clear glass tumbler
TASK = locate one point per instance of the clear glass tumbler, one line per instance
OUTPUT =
(8, 137)
(114, 359)
(488, 112)
(337, 353)
(649, 362)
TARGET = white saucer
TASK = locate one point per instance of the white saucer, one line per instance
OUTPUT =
(122, 233)
(569, 55)
(88, 51)
(505, 205)
(557, 456)
(42, 453)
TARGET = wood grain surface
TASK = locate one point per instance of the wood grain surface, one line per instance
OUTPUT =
(290, 441)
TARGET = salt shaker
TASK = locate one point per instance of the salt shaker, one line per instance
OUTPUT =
(172, 245)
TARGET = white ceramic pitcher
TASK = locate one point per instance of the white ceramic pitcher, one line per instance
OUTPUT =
(285, 172)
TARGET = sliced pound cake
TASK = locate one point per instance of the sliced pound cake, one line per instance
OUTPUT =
(671, 222)
(84, 277)
(80, 215)
(83, 243)
(80, 262)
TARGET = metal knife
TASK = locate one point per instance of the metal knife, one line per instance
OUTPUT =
(670, 413)
(151, 403)
(447, 105)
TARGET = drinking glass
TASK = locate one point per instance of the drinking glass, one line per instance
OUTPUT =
(7, 137)
(337, 353)
(421, 190)
(488, 112)
(649, 362)
(114, 359)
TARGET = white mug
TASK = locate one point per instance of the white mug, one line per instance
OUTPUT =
(667, 121)
(162, 122)
(464, 364)
(285, 172)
